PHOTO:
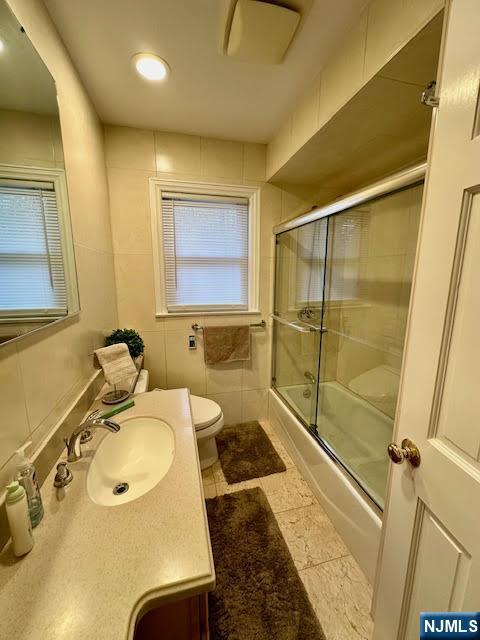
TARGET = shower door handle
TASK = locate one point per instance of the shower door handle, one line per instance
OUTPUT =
(408, 451)
(297, 325)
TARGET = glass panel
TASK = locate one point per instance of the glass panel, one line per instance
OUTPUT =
(371, 252)
(299, 281)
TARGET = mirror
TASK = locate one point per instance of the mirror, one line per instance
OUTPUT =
(37, 267)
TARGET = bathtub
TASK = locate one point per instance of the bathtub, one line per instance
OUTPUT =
(355, 516)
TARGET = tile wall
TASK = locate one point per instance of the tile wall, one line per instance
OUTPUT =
(133, 156)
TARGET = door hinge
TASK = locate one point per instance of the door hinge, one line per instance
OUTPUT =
(429, 99)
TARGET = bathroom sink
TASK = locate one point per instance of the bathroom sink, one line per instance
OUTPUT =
(129, 463)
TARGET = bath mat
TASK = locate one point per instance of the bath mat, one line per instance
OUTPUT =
(246, 452)
(259, 594)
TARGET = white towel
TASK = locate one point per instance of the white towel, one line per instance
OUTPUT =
(116, 362)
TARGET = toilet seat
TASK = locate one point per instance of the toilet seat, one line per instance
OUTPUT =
(205, 412)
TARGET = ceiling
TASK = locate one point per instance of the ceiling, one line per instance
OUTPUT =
(207, 93)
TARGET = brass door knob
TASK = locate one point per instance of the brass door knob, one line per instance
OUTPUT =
(408, 451)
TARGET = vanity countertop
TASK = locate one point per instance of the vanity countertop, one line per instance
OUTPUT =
(94, 568)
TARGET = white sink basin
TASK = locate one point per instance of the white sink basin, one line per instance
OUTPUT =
(129, 463)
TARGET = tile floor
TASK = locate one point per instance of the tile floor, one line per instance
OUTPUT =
(338, 590)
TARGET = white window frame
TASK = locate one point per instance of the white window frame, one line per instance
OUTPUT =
(57, 176)
(157, 187)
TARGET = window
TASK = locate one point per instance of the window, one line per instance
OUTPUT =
(207, 245)
(32, 276)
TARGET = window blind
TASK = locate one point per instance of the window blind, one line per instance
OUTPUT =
(347, 255)
(345, 258)
(310, 268)
(32, 277)
(205, 246)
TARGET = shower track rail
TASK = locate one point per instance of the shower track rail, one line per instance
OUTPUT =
(395, 182)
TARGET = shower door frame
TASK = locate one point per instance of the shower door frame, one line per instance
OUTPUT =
(396, 182)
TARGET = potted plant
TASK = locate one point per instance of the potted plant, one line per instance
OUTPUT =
(131, 338)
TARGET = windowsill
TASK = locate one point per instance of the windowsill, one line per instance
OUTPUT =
(196, 314)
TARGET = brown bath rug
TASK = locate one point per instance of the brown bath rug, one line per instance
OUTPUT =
(259, 594)
(246, 452)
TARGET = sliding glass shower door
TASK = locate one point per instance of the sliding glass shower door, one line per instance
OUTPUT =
(342, 290)
(298, 308)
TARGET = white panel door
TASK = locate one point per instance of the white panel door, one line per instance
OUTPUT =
(431, 552)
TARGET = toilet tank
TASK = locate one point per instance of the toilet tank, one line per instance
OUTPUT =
(142, 382)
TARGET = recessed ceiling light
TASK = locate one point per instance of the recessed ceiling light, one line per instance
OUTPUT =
(2, 46)
(150, 66)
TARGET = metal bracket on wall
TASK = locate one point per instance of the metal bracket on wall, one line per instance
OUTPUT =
(429, 99)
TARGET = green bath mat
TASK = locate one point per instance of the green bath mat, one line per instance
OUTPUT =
(259, 594)
(246, 452)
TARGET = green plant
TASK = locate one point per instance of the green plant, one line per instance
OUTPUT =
(131, 338)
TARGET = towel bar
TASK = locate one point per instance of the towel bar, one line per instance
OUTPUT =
(262, 324)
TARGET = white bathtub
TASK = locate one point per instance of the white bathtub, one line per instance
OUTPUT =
(356, 518)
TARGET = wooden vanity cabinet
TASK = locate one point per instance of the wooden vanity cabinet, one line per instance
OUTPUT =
(180, 620)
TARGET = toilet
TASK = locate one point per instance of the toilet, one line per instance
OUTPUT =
(207, 418)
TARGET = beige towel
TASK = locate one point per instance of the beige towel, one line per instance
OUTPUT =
(226, 344)
(116, 362)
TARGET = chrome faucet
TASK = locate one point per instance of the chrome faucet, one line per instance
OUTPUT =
(89, 424)
(310, 377)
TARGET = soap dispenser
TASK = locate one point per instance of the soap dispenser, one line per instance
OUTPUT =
(18, 519)
(27, 477)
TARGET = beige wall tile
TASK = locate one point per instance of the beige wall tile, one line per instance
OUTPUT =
(231, 404)
(385, 33)
(44, 429)
(256, 370)
(391, 23)
(305, 117)
(292, 206)
(177, 153)
(49, 372)
(135, 291)
(155, 358)
(343, 75)
(266, 281)
(130, 209)
(87, 182)
(254, 162)
(185, 367)
(98, 296)
(221, 378)
(270, 215)
(27, 139)
(183, 324)
(222, 158)
(280, 147)
(129, 148)
(14, 428)
(416, 13)
(254, 405)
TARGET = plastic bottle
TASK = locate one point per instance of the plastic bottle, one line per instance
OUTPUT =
(18, 519)
(27, 477)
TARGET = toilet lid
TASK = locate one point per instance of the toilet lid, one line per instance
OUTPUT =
(205, 412)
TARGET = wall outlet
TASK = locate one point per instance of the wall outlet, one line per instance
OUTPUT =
(192, 342)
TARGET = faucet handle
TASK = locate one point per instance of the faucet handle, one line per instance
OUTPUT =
(63, 476)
